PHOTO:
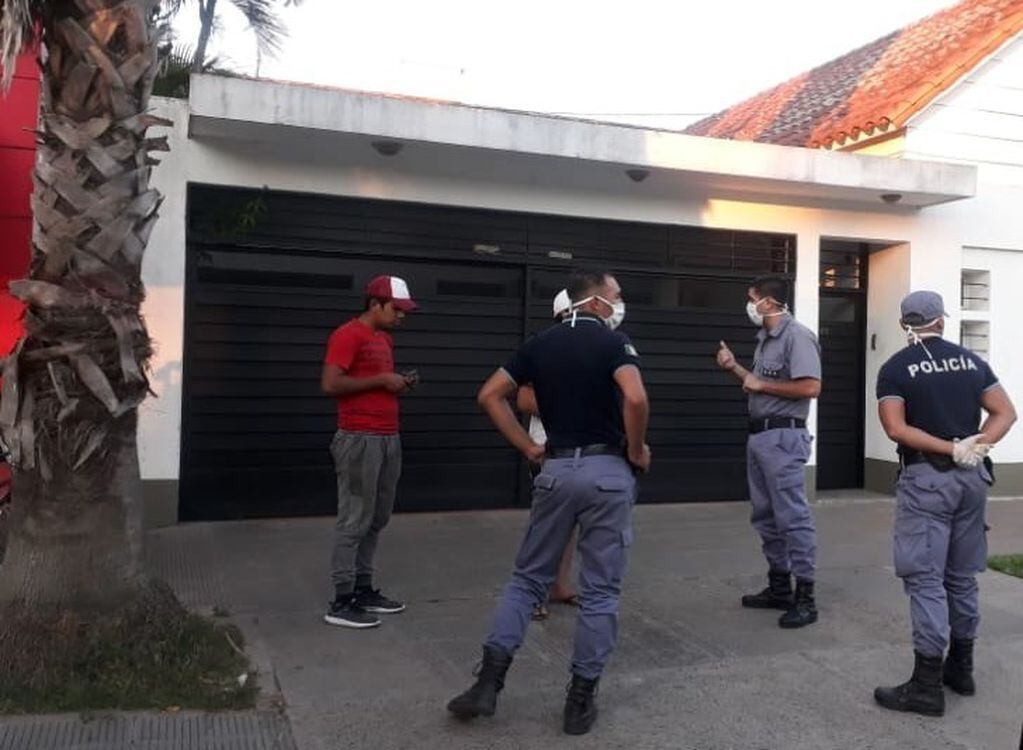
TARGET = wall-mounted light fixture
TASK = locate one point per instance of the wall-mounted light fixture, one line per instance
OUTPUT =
(637, 175)
(388, 148)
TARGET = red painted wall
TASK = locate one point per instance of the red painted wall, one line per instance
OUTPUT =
(17, 150)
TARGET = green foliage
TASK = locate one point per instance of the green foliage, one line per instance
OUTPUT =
(238, 220)
(173, 76)
(152, 655)
(1009, 564)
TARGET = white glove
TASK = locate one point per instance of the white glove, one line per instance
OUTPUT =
(969, 452)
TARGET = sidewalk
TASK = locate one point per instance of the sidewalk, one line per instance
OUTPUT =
(692, 670)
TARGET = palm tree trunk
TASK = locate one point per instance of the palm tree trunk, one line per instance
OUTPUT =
(207, 14)
(77, 544)
(71, 389)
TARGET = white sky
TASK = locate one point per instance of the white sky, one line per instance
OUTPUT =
(672, 59)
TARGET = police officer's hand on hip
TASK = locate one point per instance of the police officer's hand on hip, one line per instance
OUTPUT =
(591, 399)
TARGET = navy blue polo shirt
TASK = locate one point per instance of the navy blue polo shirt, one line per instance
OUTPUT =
(572, 369)
(942, 391)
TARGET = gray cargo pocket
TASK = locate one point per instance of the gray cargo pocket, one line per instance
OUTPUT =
(911, 549)
(791, 478)
(543, 488)
(624, 487)
(544, 482)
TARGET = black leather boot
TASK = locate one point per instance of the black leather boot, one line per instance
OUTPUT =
(777, 595)
(481, 698)
(958, 673)
(580, 705)
(804, 608)
(922, 694)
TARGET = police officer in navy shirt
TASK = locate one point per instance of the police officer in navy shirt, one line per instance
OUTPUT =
(930, 396)
(594, 408)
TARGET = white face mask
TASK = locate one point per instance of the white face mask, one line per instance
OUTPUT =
(617, 310)
(753, 314)
(914, 335)
(617, 313)
(756, 317)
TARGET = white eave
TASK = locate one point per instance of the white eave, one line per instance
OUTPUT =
(271, 111)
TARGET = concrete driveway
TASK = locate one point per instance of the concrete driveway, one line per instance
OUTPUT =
(692, 669)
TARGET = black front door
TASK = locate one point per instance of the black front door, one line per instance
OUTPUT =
(840, 409)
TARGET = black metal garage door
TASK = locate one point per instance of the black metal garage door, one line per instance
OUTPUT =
(269, 275)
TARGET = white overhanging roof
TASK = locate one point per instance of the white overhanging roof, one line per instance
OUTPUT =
(246, 109)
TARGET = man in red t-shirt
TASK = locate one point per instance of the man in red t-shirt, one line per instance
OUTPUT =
(358, 371)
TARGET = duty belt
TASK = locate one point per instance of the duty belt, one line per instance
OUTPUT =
(596, 449)
(909, 457)
(774, 423)
(940, 461)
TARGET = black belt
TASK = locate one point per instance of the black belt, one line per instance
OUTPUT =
(910, 457)
(596, 449)
(774, 423)
(940, 461)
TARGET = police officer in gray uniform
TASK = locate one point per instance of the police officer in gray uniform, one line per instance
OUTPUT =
(930, 397)
(786, 376)
(594, 407)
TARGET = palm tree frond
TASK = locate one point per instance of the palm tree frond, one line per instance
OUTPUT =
(17, 32)
(175, 71)
(171, 7)
(266, 26)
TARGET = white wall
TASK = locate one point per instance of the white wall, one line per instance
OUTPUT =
(888, 282)
(1006, 323)
(463, 177)
(978, 121)
(163, 272)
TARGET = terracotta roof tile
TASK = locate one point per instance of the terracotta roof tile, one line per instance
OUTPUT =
(881, 84)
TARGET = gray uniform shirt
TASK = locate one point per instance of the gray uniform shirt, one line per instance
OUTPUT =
(788, 352)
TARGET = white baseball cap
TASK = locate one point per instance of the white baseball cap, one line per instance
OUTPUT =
(391, 289)
(562, 303)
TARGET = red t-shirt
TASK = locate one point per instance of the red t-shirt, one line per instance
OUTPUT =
(362, 352)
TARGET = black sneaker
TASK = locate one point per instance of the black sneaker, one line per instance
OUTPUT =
(372, 600)
(348, 614)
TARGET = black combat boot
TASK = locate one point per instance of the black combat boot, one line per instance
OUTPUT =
(777, 595)
(804, 608)
(580, 705)
(922, 694)
(481, 698)
(958, 673)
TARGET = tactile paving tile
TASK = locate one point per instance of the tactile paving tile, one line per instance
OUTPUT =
(247, 730)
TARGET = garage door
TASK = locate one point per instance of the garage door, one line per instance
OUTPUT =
(269, 275)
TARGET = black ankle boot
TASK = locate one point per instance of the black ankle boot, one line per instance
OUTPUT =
(958, 673)
(777, 595)
(804, 607)
(481, 698)
(922, 694)
(580, 705)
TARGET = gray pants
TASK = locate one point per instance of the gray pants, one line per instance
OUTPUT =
(939, 546)
(781, 513)
(368, 468)
(598, 493)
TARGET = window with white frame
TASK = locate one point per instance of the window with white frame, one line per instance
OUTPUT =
(975, 335)
(976, 291)
(975, 331)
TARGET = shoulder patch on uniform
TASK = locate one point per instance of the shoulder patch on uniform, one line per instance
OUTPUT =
(631, 350)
